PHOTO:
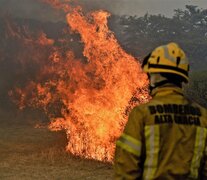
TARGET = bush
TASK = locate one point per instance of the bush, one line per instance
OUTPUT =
(197, 87)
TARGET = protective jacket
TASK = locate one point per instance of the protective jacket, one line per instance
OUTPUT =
(164, 139)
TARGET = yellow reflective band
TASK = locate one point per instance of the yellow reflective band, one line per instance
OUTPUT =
(167, 55)
(152, 137)
(198, 151)
(130, 144)
(173, 58)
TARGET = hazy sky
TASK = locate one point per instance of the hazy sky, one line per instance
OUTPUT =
(33, 8)
(140, 7)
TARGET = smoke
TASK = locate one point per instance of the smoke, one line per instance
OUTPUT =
(30, 9)
(37, 10)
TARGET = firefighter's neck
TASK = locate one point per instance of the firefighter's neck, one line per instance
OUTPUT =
(170, 87)
(157, 81)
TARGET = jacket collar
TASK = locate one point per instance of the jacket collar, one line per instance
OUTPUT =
(166, 90)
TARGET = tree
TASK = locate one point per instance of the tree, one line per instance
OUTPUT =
(188, 27)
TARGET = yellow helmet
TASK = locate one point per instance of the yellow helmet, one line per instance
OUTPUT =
(169, 58)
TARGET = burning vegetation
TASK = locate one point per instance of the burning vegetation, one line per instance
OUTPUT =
(87, 97)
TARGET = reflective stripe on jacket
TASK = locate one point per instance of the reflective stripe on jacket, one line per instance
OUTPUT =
(164, 139)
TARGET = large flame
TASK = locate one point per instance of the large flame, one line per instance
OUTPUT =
(92, 97)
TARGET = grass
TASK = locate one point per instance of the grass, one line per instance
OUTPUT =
(28, 153)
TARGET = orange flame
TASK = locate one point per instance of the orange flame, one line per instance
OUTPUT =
(93, 96)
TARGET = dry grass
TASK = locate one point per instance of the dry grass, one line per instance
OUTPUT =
(28, 153)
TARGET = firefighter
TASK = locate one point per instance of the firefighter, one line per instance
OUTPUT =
(165, 138)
